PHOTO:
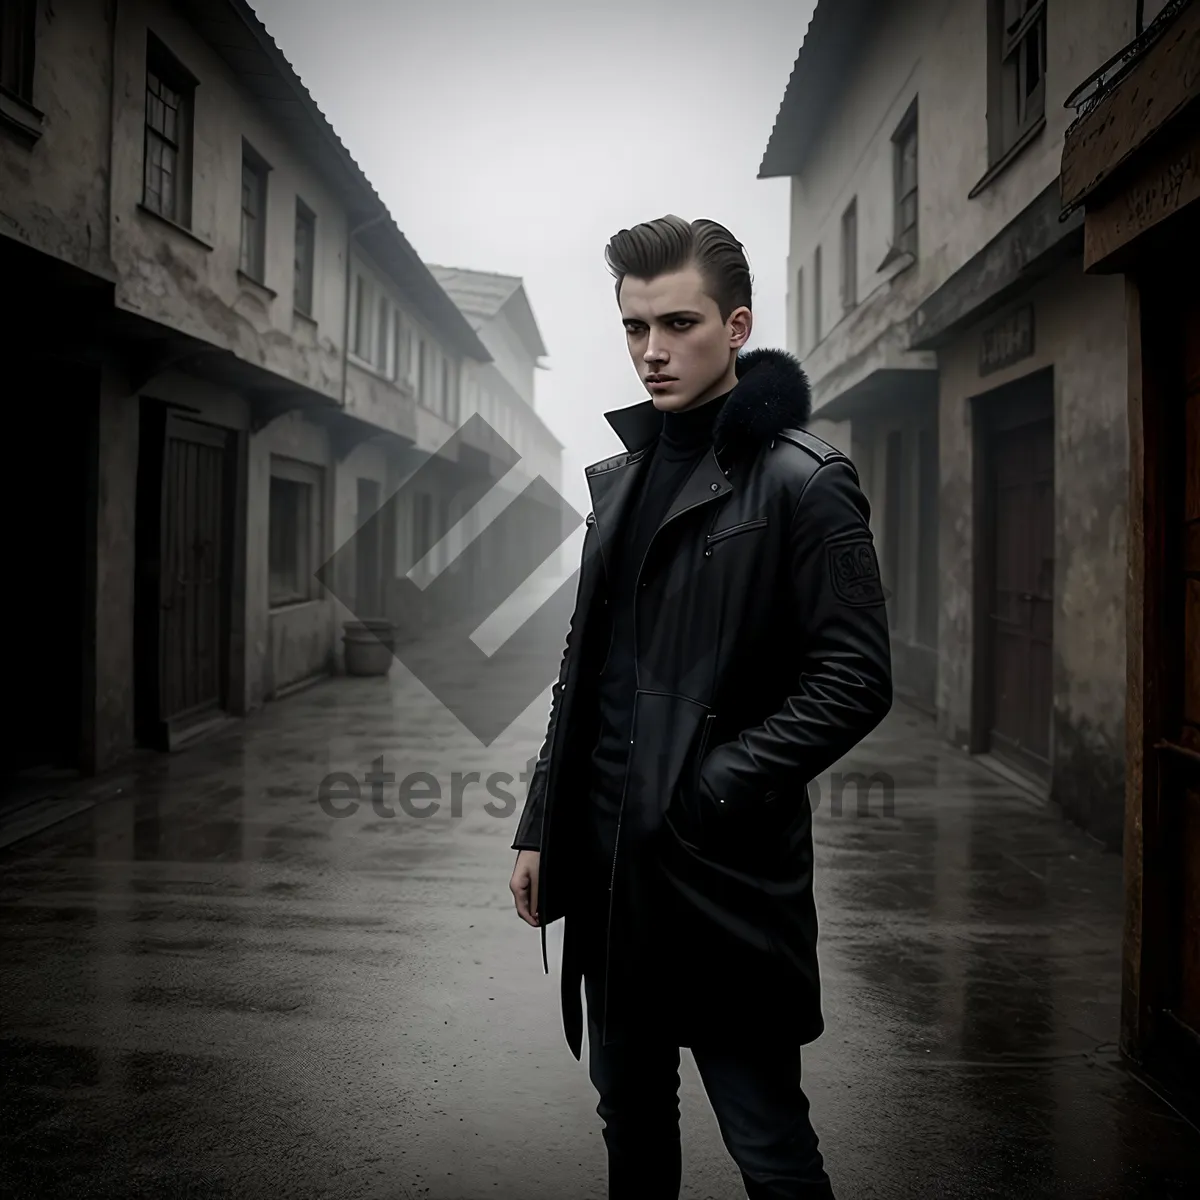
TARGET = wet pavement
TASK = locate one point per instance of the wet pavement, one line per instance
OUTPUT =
(211, 987)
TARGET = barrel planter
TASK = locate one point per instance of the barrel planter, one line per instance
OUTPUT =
(368, 647)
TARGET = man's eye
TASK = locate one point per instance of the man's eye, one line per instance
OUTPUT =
(684, 322)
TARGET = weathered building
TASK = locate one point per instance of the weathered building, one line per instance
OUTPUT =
(223, 356)
(1131, 164)
(502, 391)
(977, 375)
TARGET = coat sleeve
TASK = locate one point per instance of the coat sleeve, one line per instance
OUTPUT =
(529, 827)
(845, 684)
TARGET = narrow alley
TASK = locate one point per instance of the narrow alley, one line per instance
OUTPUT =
(212, 987)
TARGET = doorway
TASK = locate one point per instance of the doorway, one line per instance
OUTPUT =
(1178, 747)
(1015, 647)
(51, 429)
(183, 550)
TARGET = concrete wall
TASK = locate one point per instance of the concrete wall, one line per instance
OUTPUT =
(112, 733)
(1080, 331)
(54, 195)
(190, 281)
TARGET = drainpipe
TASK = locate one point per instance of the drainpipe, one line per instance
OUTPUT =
(354, 231)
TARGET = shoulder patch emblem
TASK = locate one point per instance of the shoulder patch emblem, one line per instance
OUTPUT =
(854, 572)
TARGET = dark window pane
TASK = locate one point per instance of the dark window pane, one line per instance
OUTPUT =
(381, 334)
(288, 551)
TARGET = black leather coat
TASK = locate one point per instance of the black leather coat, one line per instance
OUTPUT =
(762, 658)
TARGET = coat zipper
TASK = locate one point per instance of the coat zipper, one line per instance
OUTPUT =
(720, 534)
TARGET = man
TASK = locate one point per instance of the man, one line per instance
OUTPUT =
(729, 643)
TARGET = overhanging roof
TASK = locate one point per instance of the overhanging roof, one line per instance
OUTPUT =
(235, 32)
(834, 38)
(483, 294)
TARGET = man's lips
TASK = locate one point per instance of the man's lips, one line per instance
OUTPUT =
(660, 379)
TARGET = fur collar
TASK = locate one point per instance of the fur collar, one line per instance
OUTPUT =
(772, 394)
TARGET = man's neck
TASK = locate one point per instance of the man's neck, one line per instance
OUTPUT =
(722, 387)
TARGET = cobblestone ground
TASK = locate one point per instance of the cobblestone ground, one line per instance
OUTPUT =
(212, 987)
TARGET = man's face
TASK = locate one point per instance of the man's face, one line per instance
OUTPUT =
(681, 348)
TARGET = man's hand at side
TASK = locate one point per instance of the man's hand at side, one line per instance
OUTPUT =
(524, 885)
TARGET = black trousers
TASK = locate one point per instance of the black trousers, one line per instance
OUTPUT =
(755, 1093)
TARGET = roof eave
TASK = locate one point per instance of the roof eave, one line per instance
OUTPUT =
(831, 42)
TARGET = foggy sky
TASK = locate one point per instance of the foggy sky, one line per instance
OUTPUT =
(519, 136)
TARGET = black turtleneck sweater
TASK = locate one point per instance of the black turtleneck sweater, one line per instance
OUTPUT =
(685, 437)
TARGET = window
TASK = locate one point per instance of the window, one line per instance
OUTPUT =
(400, 342)
(362, 326)
(383, 327)
(167, 152)
(294, 539)
(422, 372)
(306, 245)
(451, 407)
(816, 295)
(254, 214)
(800, 330)
(850, 256)
(904, 143)
(1016, 72)
(17, 23)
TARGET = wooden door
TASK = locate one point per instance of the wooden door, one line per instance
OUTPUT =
(1179, 749)
(1021, 608)
(193, 572)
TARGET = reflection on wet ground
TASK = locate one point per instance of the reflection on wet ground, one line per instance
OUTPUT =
(212, 987)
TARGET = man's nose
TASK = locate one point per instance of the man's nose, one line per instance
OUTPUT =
(655, 355)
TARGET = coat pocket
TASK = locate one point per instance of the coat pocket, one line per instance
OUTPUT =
(682, 813)
(719, 535)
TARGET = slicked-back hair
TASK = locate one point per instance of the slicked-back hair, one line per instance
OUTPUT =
(670, 243)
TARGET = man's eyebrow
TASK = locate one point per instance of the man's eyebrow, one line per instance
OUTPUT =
(673, 316)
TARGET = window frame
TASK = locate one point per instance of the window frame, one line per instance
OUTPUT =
(382, 320)
(801, 313)
(1014, 116)
(816, 282)
(253, 265)
(849, 256)
(360, 334)
(906, 238)
(308, 551)
(423, 397)
(20, 18)
(165, 68)
(304, 286)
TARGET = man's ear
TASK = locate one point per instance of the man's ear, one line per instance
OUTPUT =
(741, 323)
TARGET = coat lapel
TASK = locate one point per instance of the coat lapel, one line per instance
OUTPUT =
(612, 485)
